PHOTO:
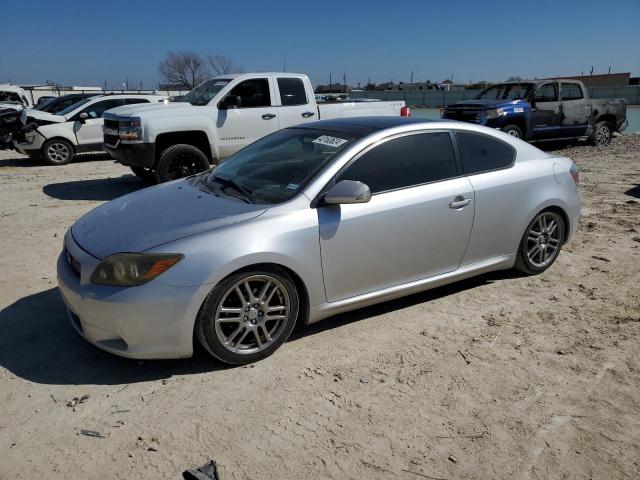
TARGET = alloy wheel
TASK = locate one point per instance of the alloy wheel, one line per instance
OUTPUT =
(184, 165)
(252, 314)
(58, 152)
(602, 135)
(543, 239)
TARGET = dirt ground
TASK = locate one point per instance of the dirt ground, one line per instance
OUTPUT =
(550, 387)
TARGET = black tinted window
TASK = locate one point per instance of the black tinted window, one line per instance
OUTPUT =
(131, 101)
(404, 161)
(546, 93)
(253, 93)
(292, 91)
(571, 91)
(481, 152)
(96, 110)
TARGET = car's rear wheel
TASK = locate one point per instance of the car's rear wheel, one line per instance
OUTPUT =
(144, 173)
(248, 315)
(178, 161)
(57, 152)
(601, 136)
(541, 242)
(512, 130)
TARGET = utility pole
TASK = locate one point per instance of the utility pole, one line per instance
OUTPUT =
(344, 82)
(140, 85)
(329, 80)
(591, 70)
(127, 82)
(411, 76)
(284, 64)
(609, 70)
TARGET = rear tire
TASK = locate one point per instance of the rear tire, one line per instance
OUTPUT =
(145, 174)
(512, 130)
(57, 152)
(237, 327)
(541, 243)
(179, 161)
(601, 136)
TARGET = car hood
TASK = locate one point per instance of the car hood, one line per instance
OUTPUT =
(160, 109)
(145, 219)
(486, 104)
(33, 114)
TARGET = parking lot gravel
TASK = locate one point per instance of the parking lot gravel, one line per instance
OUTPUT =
(501, 376)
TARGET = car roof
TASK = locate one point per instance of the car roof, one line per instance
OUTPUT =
(365, 125)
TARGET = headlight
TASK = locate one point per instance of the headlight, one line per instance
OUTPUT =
(130, 130)
(494, 113)
(131, 269)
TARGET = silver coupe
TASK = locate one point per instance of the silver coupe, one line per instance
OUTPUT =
(306, 223)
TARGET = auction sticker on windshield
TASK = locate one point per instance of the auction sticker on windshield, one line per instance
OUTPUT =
(329, 141)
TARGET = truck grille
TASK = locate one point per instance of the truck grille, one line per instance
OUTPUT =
(464, 115)
(110, 130)
(114, 124)
(110, 139)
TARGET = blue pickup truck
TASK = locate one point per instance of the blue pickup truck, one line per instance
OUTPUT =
(544, 110)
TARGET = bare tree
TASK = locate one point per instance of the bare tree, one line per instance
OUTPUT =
(185, 68)
(221, 65)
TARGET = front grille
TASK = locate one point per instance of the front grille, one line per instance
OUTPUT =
(73, 263)
(464, 115)
(108, 123)
(110, 139)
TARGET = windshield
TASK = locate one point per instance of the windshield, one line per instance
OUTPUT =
(203, 93)
(71, 108)
(9, 97)
(275, 168)
(509, 91)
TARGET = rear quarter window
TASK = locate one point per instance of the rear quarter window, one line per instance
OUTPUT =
(482, 153)
(292, 91)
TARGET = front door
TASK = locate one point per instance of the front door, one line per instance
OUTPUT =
(255, 117)
(416, 225)
(89, 132)
(546, 111)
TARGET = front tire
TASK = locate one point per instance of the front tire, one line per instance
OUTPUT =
(178, 161)
(248, 315)
(57, 152)
(601, 136)
(512, 130)
(541, 243)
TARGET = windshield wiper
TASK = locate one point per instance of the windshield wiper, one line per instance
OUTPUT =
(235, 185)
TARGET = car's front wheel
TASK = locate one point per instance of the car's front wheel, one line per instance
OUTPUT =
(248, 315)
(57, 152)
(541, 243)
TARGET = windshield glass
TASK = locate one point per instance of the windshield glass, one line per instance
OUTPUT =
(511, 91)
(9, 97)
(203, 93)
(275, 168)
(71, 108)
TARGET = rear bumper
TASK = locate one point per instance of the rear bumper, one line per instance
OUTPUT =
(133, 154)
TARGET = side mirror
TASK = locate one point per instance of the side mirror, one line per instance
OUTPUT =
(347, 191)
(230, 101)
(83, 116)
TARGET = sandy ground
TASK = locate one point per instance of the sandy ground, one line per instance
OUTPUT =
(550, 388)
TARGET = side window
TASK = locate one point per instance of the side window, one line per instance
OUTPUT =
(96, 110)
(131, 101)
(404, 162)
(481, 153)
(292, 91)
(253, 93)
(571, 91)
(546, 93)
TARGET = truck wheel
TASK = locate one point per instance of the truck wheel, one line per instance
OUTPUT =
(601, 136)
(178, 161)
(57, 152)
(512, 130)
(143, 173)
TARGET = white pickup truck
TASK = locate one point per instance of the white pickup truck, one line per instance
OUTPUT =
(217, 118)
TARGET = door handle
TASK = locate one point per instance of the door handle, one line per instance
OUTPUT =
(307, 114)
(459, 202)
(268, 116)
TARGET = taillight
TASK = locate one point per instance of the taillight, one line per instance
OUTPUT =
(575, 174)
(405, 111)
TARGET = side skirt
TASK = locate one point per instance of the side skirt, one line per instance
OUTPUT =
(324, 310)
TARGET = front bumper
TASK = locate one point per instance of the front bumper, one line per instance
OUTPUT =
(154, 320)
(30, 144)
(133, 154)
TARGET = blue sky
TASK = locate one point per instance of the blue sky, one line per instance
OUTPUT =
(88, 43)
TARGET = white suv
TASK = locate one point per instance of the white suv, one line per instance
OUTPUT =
(56, 138)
